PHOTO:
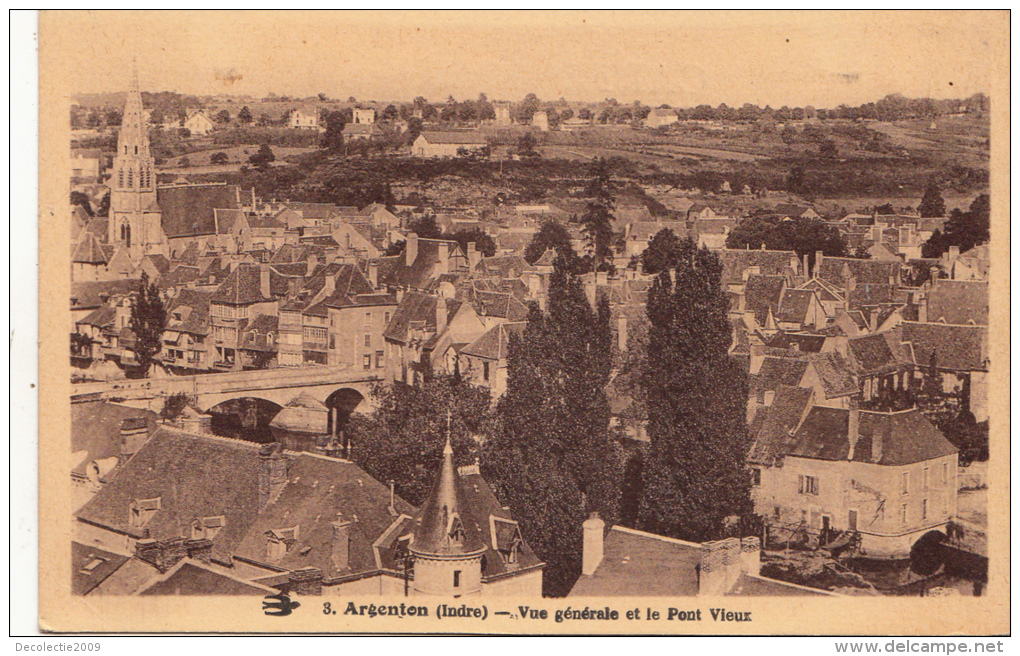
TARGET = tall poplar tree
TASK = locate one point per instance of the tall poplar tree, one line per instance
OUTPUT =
(551, 458)
(694, 474)
(598, 215)
(147, 322)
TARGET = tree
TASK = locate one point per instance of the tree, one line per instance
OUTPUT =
(828, 149)
(551, 458)
(963, 229)
(174, 405)
(485, 245)
(550, 235)
(81, 199)
(662, 253)
(804, 235)
(104, 205)
(391, 113)
(263, 157)
(223, 116)
(598, 215)
(526, 144)
(694, 473)
(218, 158)
(148, 319)
(932, 203)
(403, 440)
(795, 179)
(333, 137)
(425, 227)
(885, 210)
(244, 116)
(113, 118)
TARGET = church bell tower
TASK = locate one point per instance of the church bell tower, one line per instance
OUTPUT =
(135, 221)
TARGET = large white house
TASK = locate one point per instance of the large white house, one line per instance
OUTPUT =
(447, 144)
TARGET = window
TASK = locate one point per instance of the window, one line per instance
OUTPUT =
(903, 514)
(924, 479)
(368, 320)
(456, 578)
(131, 178)
(808, 484)
(904, 482)
(945, 473)
(485, 371)
(924, 508)
(367, 362)
(368, 340)
(756, 477)
(387, 318)
(379, 361)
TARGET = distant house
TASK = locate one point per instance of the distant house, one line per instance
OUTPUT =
(299, 120)
(484, 361)
(661, 117)
(796, 212)
(186, 343)
(198, 123)
(364, 116)
(90, 259)
(354, 131)
(447, 144)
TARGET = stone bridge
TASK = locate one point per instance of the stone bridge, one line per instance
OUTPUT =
(332, 385)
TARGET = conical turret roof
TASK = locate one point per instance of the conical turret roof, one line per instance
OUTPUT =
(439, 529)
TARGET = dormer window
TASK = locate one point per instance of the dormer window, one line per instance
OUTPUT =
(206, 528)
(93, 562)
(141, 511)
(279, 542)
(457, 530)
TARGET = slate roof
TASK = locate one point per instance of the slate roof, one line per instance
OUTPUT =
(472, 138)
(503, 266)
(867, 295)
(255, 335)
(190, 577)
(878, 354)
(95, 430)
(959, 302)
(907, 437)
(784, 415)
(87, 295)
(194, 476)
(638, 564)
(956, 348)
(91, 251)
(243, 286)
(179, 276)
(793, 305)
(834, 373)
(226, 218)
(776, 371)
(318, 492)
(804, 342)
(188, 210)
(646, 230)
(420, 309)
(500, 305)
(762, 293)
(770, 263)
(495, 343)
(863, 271)
(91, 565)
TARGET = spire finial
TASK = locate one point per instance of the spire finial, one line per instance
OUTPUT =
(448, 449)
(134, 74)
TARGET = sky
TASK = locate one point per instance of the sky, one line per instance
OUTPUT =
(683, 59)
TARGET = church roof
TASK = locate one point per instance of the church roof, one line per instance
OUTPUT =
(439, 528)
(190, 210)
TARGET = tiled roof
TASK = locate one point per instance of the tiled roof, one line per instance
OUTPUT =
(91, 251)
(190, 577)
(320, 491)
(179, 276)
(866, 295)
(419, 309)
(804, 342)
(834, 373)
(243, 286)
(502, 306)
(90, 566)
(638, 564)
(793, 305)
(256, 334)
(95, 429)
(776, 371)
(762, 293)
(188, 210)
(226, 218)
(784, 415)
(194, 476)
(959, 302)
(646, 230)
(87, 295)
(877, 354)
(193, 305)
(906, 437)
(159, 262)
(503, 266)
(770, 263)
(956, 348)
(495, 343)
(863, 271)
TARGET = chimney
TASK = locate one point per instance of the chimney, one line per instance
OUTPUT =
(264, 286)
(393, 498)
(954, 253)
(873, 321)
(162, 554)
(440, 315)
(750, 555)
(373, 273)
(712, 577)
(819, 257)
(807, 266)
(341, 545)
(473, 256)
(306, 581)
(313, 262)
(134, 431)
(591, 557)
(622, 331)
(272, 473)
(602, 278)
(329, 285)
(200, 549)
(731, 562)
(853, 429)
(444, 257)
(411, 249)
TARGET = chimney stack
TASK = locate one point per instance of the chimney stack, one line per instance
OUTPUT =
(712, 577)
(873, 320)
(373, 273)
(731, 562)
(341, 545)
(329, 285)
(134, 431)
(411, 249)
(264, 286)
(819, 257)
(199, 549)
(440, 315)
(272, 473)
(306, 581)
(591, 557)
(312, 263)
(473, 256)
(444, 257)
(162, 554)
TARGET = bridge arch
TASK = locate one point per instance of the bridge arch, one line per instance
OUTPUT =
(247, 411)
(345, 401)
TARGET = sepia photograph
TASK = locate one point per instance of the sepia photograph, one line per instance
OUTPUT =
(524, 322)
